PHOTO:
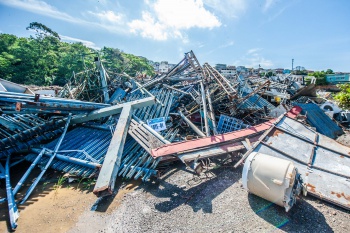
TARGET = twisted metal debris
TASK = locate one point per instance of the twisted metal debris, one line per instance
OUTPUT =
(105, 126)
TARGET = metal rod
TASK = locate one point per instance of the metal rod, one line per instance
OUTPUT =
(212, 114)
(194, 127)
(205, 112)
(112, 110)
(13, 211)
(26, 174)
(71, 160)
(103, 80)
(31, 188)
(149, 93)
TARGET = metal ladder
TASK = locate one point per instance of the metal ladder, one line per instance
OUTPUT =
(221, 80)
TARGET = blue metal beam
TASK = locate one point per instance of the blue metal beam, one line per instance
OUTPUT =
(112, 110)
(31, 188)
(13, 211)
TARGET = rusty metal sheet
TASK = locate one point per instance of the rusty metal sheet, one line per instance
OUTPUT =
(323, 162)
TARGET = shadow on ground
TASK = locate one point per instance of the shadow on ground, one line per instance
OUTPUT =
(199, 196)
(302, 216)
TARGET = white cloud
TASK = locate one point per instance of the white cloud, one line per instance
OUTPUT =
(42, 8)
(254, 50)
(106, 19)
(257, 60)
(184, 14)
(148, 27)
(230, 8)
(87, 43)
(200, 45)
(108, 16)
(169, 18)
(228, 44)
(271, 18)
(161, 20)
(254, 58)
(268, 4)
(109, 20)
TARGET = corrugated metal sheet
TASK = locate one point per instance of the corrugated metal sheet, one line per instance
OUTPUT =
(255, 102)
(136, 162)
(318, 119)
(93, 141)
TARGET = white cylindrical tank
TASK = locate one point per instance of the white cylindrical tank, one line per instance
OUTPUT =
(274, 179)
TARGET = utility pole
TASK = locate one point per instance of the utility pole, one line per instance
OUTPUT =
(292, 64)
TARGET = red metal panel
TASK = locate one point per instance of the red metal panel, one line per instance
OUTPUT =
(174, 148)
(294, 112)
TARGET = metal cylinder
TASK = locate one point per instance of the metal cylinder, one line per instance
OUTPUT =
(274, 179)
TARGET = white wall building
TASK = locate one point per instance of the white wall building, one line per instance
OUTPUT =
(163, 67)
(228, 72)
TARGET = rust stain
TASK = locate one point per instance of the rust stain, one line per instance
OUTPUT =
(312, 188)
(342, 156)
(277, 132)
(339, 195)
(306, 174)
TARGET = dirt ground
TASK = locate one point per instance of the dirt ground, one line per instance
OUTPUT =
(178, 202)
(57, 208)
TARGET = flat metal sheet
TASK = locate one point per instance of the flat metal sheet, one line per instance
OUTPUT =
(323, 163)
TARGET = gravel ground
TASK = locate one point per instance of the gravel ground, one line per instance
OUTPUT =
(181, 202)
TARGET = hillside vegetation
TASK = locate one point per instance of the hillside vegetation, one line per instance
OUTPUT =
(44, 59)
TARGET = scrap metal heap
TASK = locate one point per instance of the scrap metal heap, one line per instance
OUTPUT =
(107, 125)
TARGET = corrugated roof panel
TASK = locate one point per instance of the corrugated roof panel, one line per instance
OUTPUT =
(318, 119)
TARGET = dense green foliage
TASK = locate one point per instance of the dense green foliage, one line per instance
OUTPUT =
(45, 60)
(343, 97)
(320, 77)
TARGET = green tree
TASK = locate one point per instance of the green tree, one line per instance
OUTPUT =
(42, 31)
(7, 59)
(44, 60)
(329, 71)
(300, 72)
(320, 78)
(74, 57)
(113, 59)
(137, 64)
(343, 97)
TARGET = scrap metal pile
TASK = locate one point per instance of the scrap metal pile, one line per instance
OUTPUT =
(106, 125)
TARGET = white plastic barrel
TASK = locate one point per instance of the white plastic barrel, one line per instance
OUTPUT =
(271, 178)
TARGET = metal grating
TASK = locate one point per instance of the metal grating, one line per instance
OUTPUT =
(228, 124)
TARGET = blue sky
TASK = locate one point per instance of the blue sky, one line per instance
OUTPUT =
(236, 32)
